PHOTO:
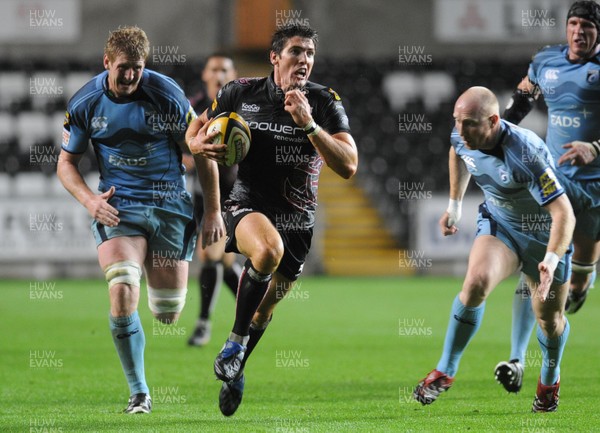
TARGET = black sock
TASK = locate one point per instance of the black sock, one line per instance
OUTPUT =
(251, 291)
(255, 336)
(210, 279)
(231, 276)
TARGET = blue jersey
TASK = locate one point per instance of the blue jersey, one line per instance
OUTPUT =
(517, 177)
(135, 139)
(572, 93)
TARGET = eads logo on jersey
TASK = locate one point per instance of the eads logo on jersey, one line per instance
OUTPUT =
(593, 76)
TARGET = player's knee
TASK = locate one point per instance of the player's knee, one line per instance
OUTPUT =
(126, 272)
(261, 319)
(166, 304)
(476, 287)
(266, 258)
(210, 264)
(550, 323)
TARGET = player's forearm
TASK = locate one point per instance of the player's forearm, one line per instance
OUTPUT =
(521, 102)
(339, 152)
(208, 174)
(69, 175)
(459, 176)
(563, 224)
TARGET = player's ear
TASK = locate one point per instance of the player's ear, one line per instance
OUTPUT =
(106, 61)
(273, 57)
(494, 119)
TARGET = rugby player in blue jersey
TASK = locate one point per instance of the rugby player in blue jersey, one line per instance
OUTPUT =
(568, 78)
(286, 113)
(136, 120)
(515, 171)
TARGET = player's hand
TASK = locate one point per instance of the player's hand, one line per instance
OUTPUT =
(579, 153)
(448, 229)
(546, 277)
(213, 228)
(101, 211)
(296, 103)
(201, 145)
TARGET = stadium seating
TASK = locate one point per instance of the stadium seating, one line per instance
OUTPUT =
(378, 97)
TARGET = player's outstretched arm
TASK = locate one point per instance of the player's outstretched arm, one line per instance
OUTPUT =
(561, 232)
(96, 204)
(338, 150)
(521, 102)
(459, 180)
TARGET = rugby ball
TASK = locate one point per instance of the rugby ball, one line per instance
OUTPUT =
(235, 133)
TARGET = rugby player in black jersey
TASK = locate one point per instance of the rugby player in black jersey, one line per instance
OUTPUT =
(297, 126)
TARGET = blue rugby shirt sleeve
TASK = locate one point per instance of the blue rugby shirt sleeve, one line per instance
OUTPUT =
(75, 137)
(544, 185)
(532, 71)
(186, 114)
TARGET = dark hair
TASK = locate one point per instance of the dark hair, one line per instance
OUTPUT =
(282, 34)
(219, 54)
(589, 10)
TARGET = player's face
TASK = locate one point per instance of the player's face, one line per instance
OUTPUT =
(124, 74)
(293, 66)
(475, 130)
(581, 37)
(217, 72)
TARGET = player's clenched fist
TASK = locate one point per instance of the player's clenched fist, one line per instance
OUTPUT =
(297, 105)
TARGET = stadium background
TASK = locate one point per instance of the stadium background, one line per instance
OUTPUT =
(398, 66)
(346, 348)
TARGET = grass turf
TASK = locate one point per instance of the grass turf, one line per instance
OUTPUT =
(342, 354)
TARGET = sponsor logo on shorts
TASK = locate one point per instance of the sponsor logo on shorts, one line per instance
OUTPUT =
(242, 210)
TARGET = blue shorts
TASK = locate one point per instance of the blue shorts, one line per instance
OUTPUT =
(529, 242)
(168, 225)
(585, 199)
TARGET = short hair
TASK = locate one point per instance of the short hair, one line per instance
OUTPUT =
(282, 34)
(219, 55)
(130, 41)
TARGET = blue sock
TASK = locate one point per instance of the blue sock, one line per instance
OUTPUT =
(464, 323)
(552, 350)
(523, 321)
(128, 336)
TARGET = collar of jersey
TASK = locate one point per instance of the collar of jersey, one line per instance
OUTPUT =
(275, 92)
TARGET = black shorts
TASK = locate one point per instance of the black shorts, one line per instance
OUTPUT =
(296, 237)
